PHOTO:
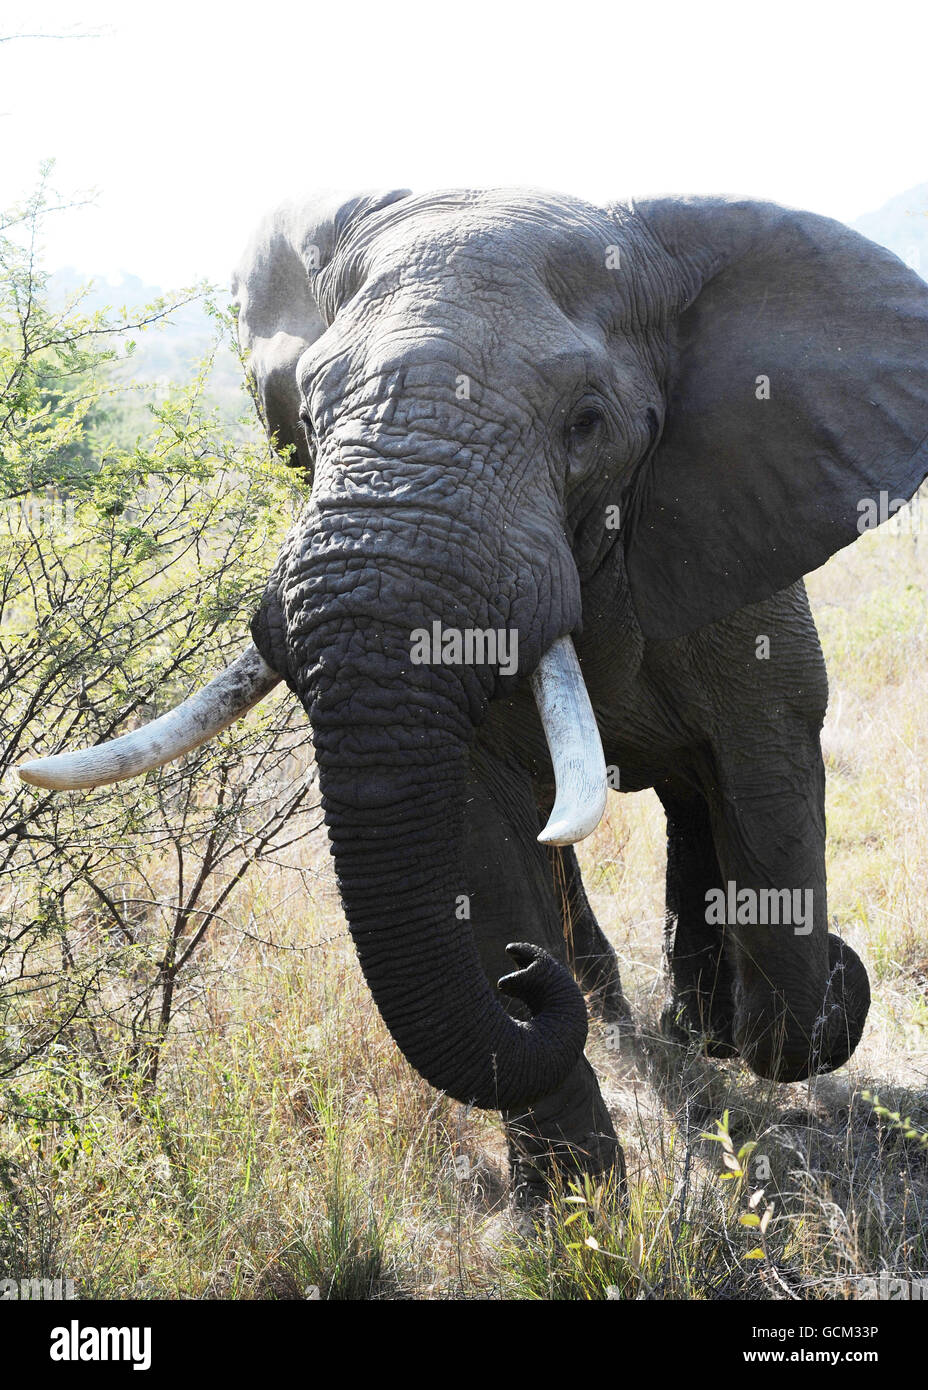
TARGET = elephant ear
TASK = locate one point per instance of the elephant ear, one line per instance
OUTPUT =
(278, 316)
(797, 394)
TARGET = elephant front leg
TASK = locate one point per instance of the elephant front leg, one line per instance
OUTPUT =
(800, 994)
(510, 896)
(701, 982)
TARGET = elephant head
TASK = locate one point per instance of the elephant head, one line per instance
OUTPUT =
(499, 397)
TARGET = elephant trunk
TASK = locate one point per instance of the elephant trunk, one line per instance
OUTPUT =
(391, 744)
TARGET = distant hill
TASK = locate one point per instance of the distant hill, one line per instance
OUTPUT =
(165, 352)
(902, 226)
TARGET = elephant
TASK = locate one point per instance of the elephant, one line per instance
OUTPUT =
(569, 465)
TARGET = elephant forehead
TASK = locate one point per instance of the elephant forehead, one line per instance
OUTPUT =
(497, 242)
(494, 218)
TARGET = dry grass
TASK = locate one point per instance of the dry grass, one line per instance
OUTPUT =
(291, 1147)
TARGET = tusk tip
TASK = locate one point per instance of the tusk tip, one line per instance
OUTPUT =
(569, 824)
(557, 835)
(35, 775)
(562, 832)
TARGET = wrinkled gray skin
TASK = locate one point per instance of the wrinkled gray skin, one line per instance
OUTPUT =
(473, 380)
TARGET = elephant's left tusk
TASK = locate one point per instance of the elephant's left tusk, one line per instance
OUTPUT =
(574, 743)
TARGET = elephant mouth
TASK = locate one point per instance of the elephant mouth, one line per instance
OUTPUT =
(557, 685)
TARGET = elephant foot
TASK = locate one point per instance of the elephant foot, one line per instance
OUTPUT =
(532, 1170)
(778, 1045)
(676, 1026)
(530, 1212)
(531, 1182)
(613, 1008)
(621, 1035)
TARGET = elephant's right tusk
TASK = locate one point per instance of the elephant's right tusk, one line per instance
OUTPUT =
(205, 714)
(574, 743)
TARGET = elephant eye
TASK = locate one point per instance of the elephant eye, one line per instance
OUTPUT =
(584, 428)
(308, 429)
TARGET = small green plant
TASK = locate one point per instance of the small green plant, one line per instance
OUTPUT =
(585, 1247)
(735, 1172)
(904, 1125)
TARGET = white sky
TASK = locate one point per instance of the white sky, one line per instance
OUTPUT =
(191, 119)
